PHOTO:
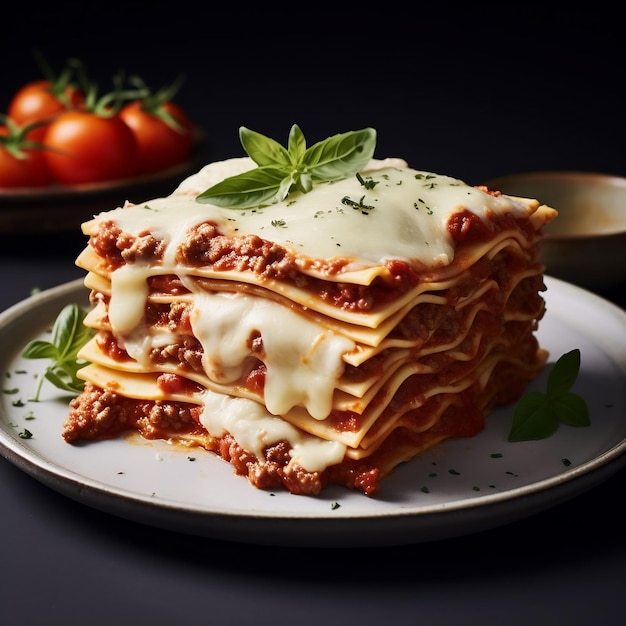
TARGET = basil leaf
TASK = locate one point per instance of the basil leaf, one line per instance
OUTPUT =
(304, 183)
(261, 185)
(340, 156)
(296, 144)
(537, 415)
(286, 186)
(38, 349)
(263, 150)
(69, 335)
(64, 379)
(563, 374)
(572, 410)
(533, 419)
(282, 170)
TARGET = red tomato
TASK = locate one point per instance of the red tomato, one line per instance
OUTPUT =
(42, 100)
(161, 143)
(21, 166)
(84, 147)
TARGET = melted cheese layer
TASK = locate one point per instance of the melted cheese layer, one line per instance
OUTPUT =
(303, 360)
(255, 429)
(404, 215)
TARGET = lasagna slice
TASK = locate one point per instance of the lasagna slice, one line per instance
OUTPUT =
(322, 339)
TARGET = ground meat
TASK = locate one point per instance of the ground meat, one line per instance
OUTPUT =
(204, 246)
(144, 248)
(119, 248)
(95, 414)
(105, 243)
(465, 226)
(186, 355)
(160, 417)
(99, 414)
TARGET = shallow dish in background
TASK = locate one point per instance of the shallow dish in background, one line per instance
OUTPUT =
(56, 208)
(586, 243)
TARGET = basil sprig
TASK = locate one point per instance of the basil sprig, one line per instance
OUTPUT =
(538, 414)
(283, 170)
(69, 335)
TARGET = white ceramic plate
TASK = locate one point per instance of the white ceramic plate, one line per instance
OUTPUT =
(460, 487)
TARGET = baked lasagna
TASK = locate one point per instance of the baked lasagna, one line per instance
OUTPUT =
(321, 339)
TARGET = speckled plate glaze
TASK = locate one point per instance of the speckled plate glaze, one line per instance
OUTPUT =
(461, 487)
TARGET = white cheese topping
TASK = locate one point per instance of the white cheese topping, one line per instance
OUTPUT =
(129, 289)
(303, 360)
(255, 429)
(403, 216)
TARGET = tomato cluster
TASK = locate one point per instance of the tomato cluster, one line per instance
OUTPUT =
(61, 131)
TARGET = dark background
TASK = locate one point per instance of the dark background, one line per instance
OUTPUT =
(466, 92)
(474, 93)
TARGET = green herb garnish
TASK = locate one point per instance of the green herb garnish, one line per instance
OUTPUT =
(69, 335)
(368, 183)
(358, 204)
(283, 170)
(538, 414)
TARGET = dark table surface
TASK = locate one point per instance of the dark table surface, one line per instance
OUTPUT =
(470, 99)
